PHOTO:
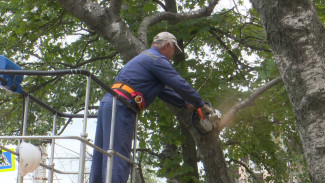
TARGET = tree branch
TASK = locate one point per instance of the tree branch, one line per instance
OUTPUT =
(241, 40)
(115, 6)
(228, 117)
(161, 4)
(64, 127)
(140, 172)
(205, 82)
(231, 143)
(53, 80)
(175, 17)
(110, 56)
(107, 24)
(151, 153)
(85, 47)
(245, 166)
(231, 53)
(86, 10)
(70, 119)
(3, 101)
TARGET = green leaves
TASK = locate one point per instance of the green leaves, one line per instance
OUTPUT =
(40, 35)
(320, 7)
(262, 134)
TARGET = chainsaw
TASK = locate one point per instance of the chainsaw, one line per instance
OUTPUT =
(204, 123)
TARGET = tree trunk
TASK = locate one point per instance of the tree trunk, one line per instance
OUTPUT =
(189, 152)
(209, 147)
(40, 172)
(296, 37)
(107, 24)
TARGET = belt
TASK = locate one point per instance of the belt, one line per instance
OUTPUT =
(128, 92)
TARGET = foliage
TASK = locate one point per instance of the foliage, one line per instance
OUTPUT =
(40, 35)
(226, 59)
(320, 7)
(266, 138)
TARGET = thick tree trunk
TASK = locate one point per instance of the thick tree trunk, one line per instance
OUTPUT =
(296, 37)
(209, 147)
(213, 158)
(189, 152)
(107, 24)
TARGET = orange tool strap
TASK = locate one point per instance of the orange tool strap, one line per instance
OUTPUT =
(131, 94)
(199, 110)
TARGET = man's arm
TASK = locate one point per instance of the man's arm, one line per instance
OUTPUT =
(173, 98)
(169, 96)
(164, 71)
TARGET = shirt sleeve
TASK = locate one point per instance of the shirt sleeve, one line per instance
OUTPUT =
(164, 71)
(173, 98)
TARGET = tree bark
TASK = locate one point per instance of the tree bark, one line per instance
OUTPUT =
(107, 24)
(296, 37)
(40, 172)
(209, 147)
(189, 152)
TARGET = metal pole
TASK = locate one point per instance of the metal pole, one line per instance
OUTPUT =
(50, 175)
(21, 178)
(134, 148)
(84, 135)
(25, 115)
(109, 152)
(111, 141)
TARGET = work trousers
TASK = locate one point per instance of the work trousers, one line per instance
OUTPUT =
(124, 130)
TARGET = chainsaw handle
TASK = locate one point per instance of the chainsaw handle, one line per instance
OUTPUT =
(199, 110)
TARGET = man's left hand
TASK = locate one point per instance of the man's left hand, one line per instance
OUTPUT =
(207, 110)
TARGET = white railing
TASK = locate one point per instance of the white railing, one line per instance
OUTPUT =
(83, 137)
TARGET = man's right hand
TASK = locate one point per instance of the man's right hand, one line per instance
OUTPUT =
(190, 107)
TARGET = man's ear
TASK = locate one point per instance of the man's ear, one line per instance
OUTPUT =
(166, 45)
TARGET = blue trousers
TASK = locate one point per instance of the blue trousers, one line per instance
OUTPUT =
(124, 130)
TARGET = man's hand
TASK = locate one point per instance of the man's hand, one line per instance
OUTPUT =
(190, 107)
(207, 110)
(204, 113)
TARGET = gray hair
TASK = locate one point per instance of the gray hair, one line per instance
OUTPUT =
(160, 43)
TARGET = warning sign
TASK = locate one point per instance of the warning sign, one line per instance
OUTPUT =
(7, 161)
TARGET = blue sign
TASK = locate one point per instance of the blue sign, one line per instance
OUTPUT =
(7, 161)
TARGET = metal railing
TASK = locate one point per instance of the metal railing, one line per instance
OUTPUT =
(83, 137)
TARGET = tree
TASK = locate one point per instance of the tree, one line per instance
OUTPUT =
(106, 34)
(296, 36)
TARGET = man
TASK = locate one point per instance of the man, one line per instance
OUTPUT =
(145, 77)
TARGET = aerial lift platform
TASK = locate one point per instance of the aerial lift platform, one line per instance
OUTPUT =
(11, 77)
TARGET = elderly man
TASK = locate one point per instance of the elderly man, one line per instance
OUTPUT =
(145, 77)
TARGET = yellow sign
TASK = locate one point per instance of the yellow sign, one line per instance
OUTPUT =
(7, 161)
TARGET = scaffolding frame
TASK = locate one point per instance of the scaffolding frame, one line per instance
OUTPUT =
(110, 153)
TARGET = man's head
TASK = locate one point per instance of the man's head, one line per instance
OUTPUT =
(167, 44)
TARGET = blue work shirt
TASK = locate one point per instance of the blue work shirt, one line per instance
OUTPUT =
(151, 74)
